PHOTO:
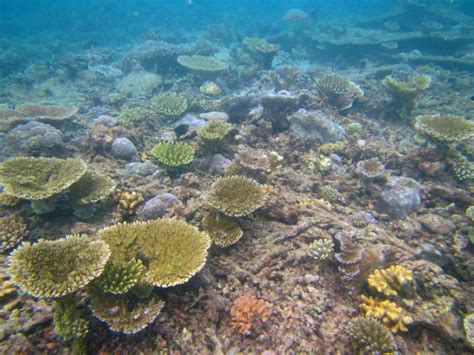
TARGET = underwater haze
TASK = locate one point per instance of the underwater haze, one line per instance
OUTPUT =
(261, 177)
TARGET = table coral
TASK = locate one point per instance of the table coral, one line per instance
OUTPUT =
(170, 104)
(223, 231)
(215, 132)
(57, 268)
(236, 196)
(49, 112)
(246, 311)
(202, 64)
(445, 128)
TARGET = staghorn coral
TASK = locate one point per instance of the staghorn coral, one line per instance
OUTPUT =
(349, 256)
(387, 312)
(69, 323)
(215, 132)
(170, 104)
(202, 64)
(57, 268)
(339, 91)
(321, 249)
(91, 188)
(173, 155)
(39, 178)
(136, 114)
(370, 169)
(369, 336)
(236, 196)
(173, 250)
(46, 112)
(388, 281)
(445, 128)
(210, 89)
(119, 278)
(128, 202)
(405, 92)
(223, 231)
(468, 325)
(125, 314)
(460, 166)
(246, 311)
(13, 230)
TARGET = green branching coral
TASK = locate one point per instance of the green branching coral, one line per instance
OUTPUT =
(321, 249)
(445, 128)
(125, 314)
(69, 323)
(170, 104)
(136, 114)
(460, 166)
(57, 268)
(39, 178)
(120, 278)
(173, 250)
(223, 230)
(202, 64)
(369, 336)
(215, 132)
(13, 230)
(236, 196)
(405, 92)
(173, 155)
(91, 188)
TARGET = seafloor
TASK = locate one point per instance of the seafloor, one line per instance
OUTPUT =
(306, 114)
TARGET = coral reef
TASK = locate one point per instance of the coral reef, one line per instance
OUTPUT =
(57, 268)
(321, 249)
(339, 91)
(369, 336)
(262, 51)
(460, 166)
(13, 231)
(6, 287)
(223, 231)
(173, 155)
(52, 113)
(236, 196)
(329, 193)
(389, 281)
(210, 89)
(247, 311)
(349, 256)
(370, 168)
(136, 114)
(68, 321)
(90, 188)
(215, 132)
(170, 104)
(387, 312)
(202, 64)
(174, 250)
(125, 314)
(468, 324)
(119, 278)
(445, 128)
(128, 202)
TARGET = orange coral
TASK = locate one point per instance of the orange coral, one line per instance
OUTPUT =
(246, 311)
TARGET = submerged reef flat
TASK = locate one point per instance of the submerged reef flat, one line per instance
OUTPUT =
(187, 180)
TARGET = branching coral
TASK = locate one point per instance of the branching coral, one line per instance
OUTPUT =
(321, 249)
(57, 268)
(222, 230)
(8, 201)
(389, 281)
(125, 314)
(369, 336)
(468, 324)
(329, 193)
(173, 251)
(128, 202)
(215, 132)
(210, 88)
(445, 128)
(387, 312)
(370, 169)
(13, 230)
(69, 323)
(119, 278)
(40, 178)
(349, 256)
(236, 196)
(136, 114)
(339, 91)
(170, 104)
(246, 311)
(173, 155)
(461, 168)
(202, 64)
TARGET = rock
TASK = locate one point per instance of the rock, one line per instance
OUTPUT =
(400, 196)
(314, 127)
(430, 253)
(139, 83)
(214, 116)
(105, 120)
(140, 169)
(158, 206)
(218, 164)
(123, 148)
(188, 124)
(33, 136)
(437, 224)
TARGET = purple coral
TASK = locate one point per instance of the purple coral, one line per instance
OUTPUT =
(349, 256)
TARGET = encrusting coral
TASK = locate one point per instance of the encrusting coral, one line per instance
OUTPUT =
(236, 196)
(223, 231)
(445, 128)
(173, 155)
(57, 268)
(387, 312)
(125, 314)
(339, 91)
(169, 104)
(119, 278)
(173, 250)
(389, 281)
(369, 336)
(13, 230)
(246, 311)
